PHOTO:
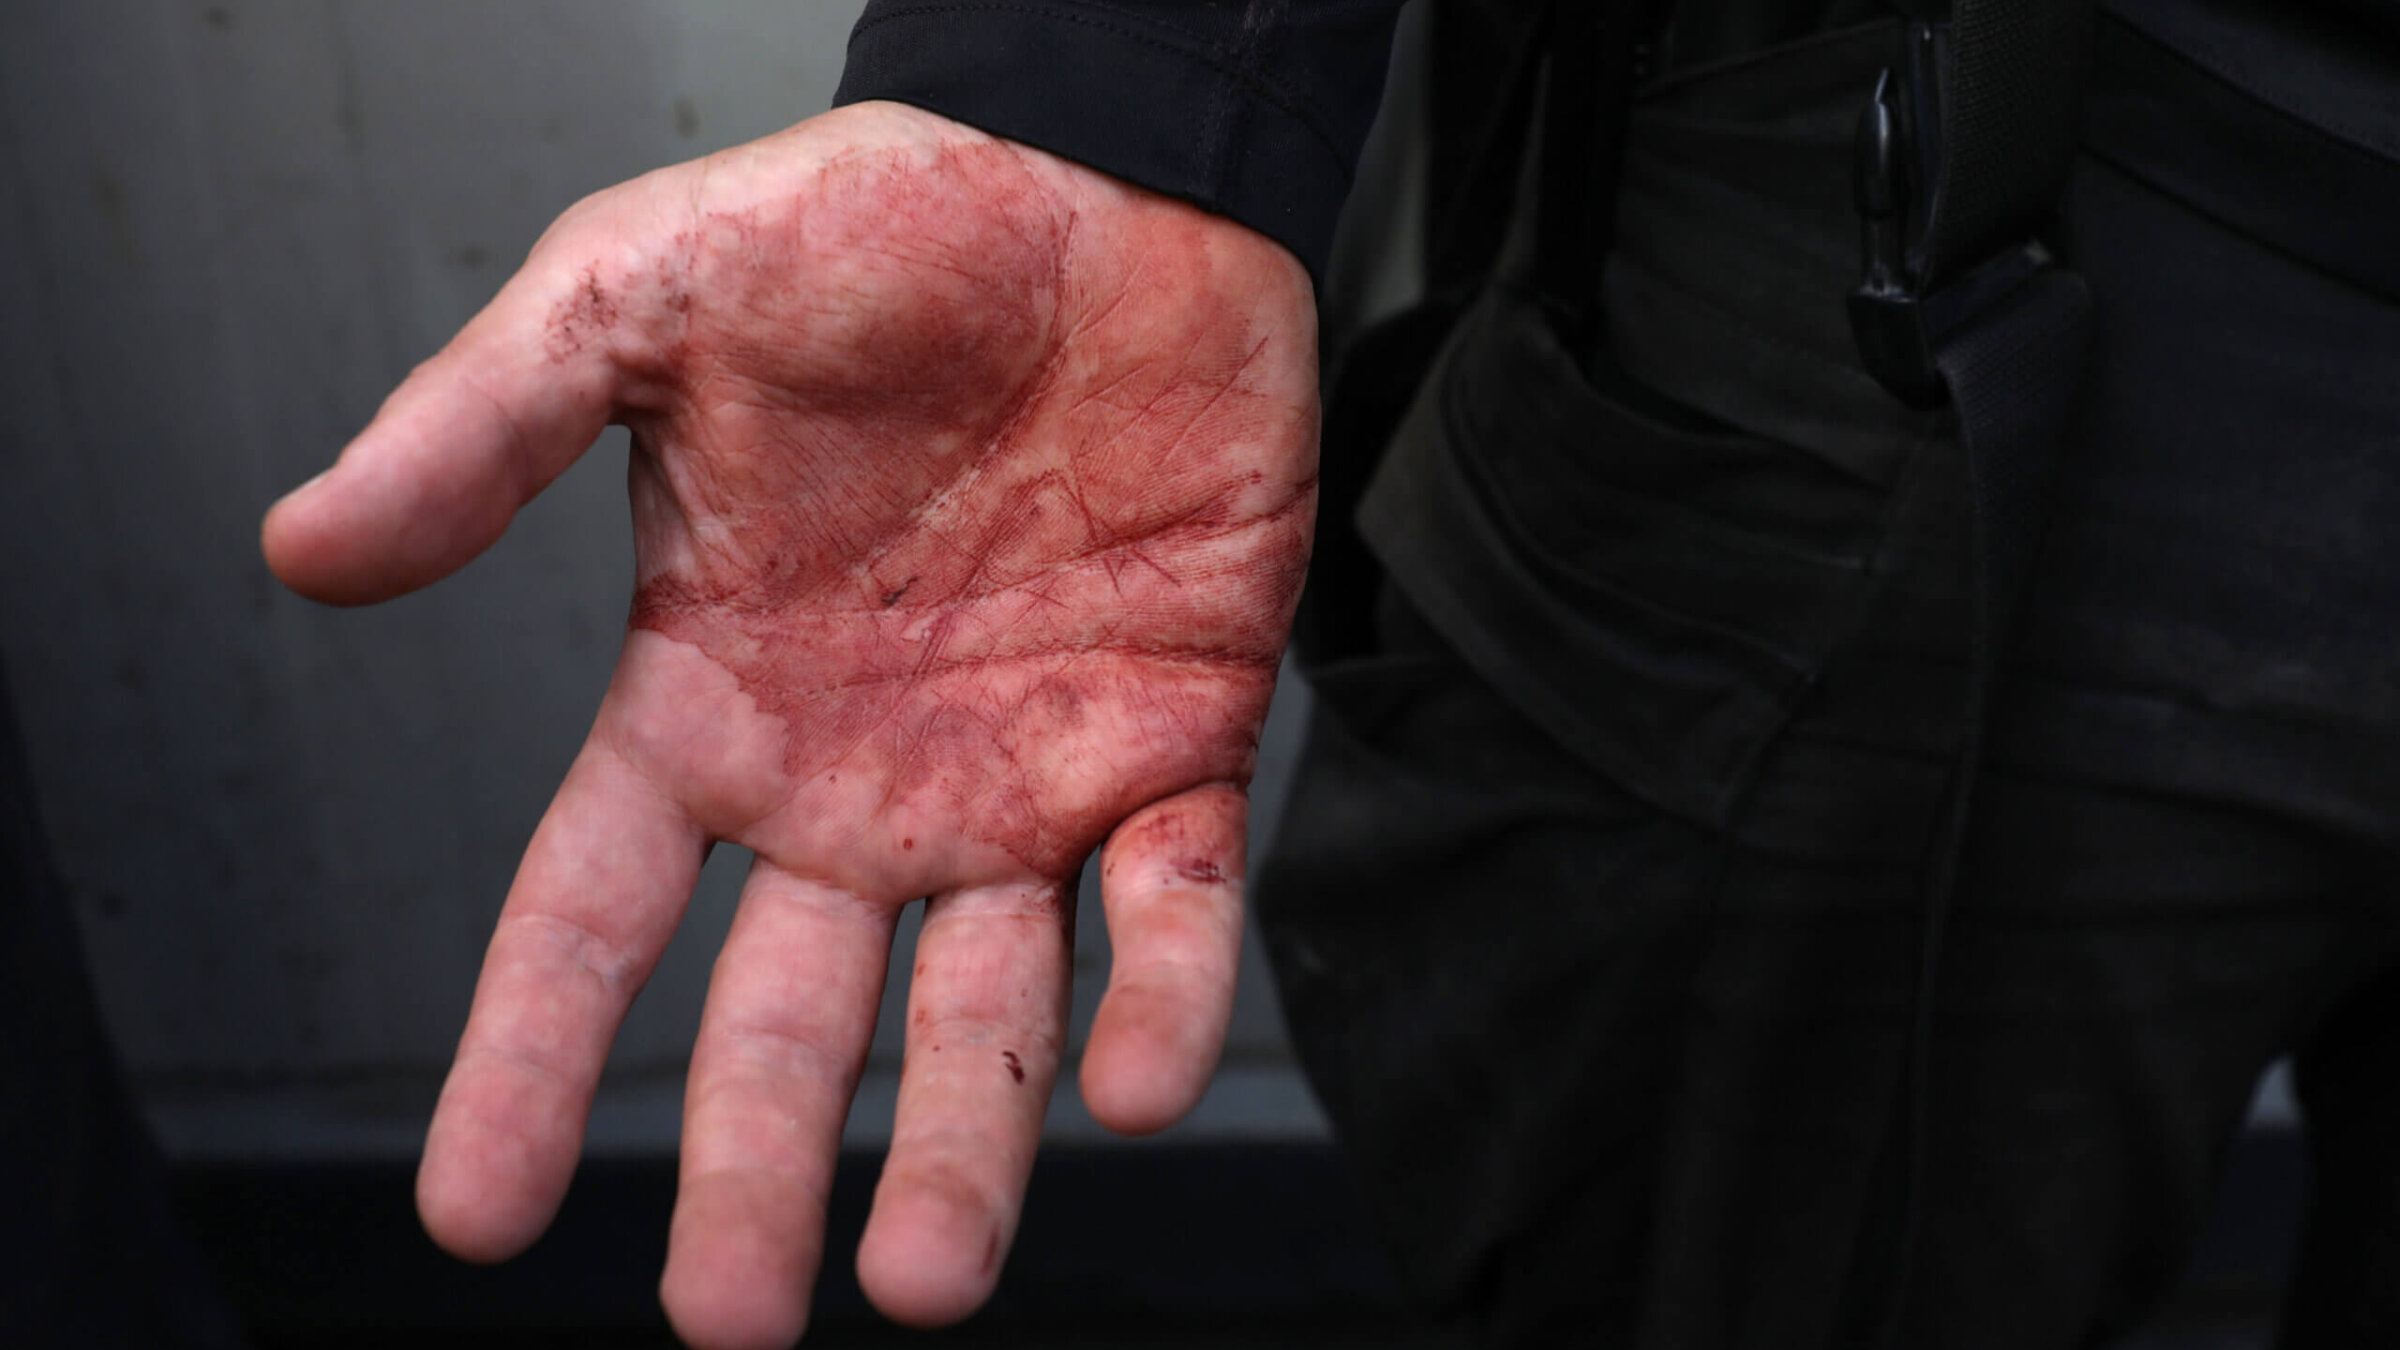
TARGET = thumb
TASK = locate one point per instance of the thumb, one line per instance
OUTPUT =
(472, 435)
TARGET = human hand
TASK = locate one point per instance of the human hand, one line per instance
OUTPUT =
(971, 496)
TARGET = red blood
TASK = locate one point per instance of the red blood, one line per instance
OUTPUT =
(582, 317)
(964, 492)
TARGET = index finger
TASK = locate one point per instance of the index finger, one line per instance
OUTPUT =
(602, 887)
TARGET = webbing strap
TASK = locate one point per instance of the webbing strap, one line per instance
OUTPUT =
(2009, 84)
(1964, 150)
(2012, 374)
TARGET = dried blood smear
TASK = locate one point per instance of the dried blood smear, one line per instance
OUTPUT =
(1200, 871)
(929, 527)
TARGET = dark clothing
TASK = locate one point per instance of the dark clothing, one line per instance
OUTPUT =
(1654, 547)
(1255, 109)
(1615, 1079)
(1596, 905)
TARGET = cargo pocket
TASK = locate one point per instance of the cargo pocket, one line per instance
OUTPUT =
(1656, 589)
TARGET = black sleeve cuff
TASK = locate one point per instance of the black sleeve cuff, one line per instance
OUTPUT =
(1254, 109)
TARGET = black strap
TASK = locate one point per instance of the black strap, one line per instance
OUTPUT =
(2013, 374)
(1964, 149)
(2009, 110)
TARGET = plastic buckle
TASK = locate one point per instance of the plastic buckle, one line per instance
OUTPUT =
(1898, 323)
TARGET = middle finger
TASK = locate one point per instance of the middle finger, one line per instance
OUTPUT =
(987, 1012)
(791, 1011)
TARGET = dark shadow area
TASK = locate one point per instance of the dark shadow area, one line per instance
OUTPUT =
(1249, 1244)
(1242, 1240)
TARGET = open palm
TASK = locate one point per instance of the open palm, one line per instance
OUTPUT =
(972, 492)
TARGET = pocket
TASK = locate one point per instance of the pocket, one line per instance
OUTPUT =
(1617, 489)
(1410, 716)
(1655, 589)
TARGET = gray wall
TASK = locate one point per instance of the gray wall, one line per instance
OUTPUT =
(225, 231)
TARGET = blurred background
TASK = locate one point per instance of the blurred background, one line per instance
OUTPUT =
(226, 230)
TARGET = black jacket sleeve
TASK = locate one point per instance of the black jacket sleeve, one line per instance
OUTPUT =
(1254, 109)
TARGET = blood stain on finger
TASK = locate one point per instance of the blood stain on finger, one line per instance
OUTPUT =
(1016, 1066)
(1200, 872)
(908, 843)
